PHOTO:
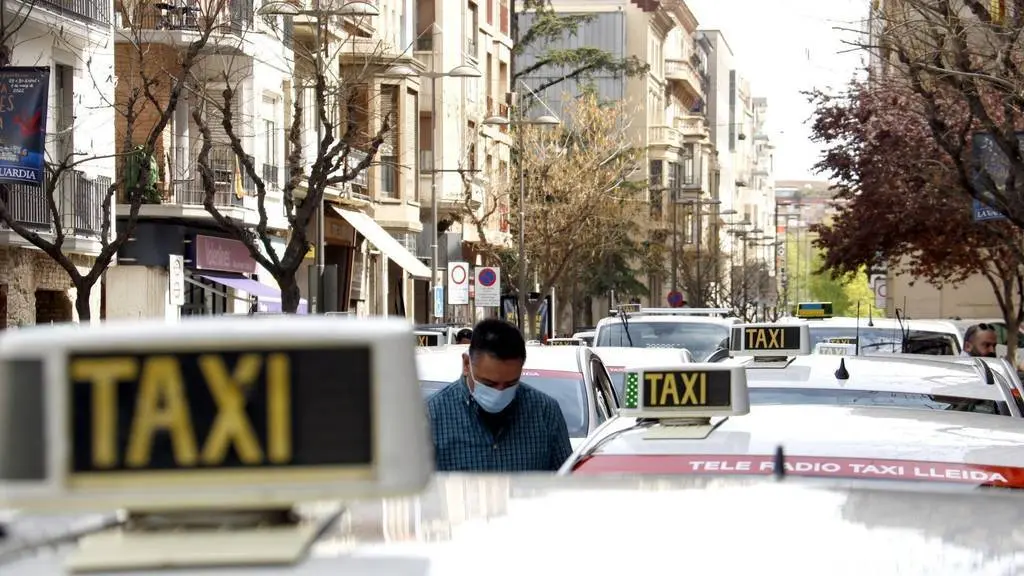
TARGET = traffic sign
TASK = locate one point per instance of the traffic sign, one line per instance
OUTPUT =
(488, 286)
(781, 250)
(458, 283)
(439, 302)
(880, 286)
(675, 298)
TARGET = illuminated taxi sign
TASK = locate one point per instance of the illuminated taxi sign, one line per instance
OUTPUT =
(841, 340)
(627, 309)
(686, 391)
(814, 310)
(565, 342)
(835, 349)
(428, 338)
(774, 340)
(216, 412)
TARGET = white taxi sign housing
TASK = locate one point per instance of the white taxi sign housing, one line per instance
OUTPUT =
(770, 340)
(699, 390)
(835, 349)
(210, 413)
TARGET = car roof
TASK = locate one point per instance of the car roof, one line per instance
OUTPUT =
(619, 356)
(944, 326)
(882, 373)
(444, 365)
(667, 319)
(836, 431)
(460, 519)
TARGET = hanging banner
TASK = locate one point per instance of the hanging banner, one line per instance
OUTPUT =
(24, 95)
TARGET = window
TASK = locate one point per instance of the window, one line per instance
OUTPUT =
(473, 34)
(832, 397)
(389, 167)
(700, 338)
(412, 104)
(271, 157)
(64, 81)
(471, 153)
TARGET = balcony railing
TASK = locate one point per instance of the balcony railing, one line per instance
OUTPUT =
(181, 170)
(87, 10)
(691, 125)
(188, 15)
(678, 69)
(79, 202)
(664, 136)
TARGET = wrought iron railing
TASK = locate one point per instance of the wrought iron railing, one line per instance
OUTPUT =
(190, 15)
(231, 182)
(79, 203)
(87, 10)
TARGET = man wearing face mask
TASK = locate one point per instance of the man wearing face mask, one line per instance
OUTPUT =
(488, 421)
(980, 340)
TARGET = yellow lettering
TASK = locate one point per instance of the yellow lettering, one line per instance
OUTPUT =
(762, 339)
(669, 389)
(653, 381)
(690, 381)
(104, 374)
(232, 425)
(279, 409)
(161, 405)
(778, 338)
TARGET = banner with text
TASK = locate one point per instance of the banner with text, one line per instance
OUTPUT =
(24, 95)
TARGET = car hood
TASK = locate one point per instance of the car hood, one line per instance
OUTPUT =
(519, 525)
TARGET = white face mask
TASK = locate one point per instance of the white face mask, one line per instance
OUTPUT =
(490, 399)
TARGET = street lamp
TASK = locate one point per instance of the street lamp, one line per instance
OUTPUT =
(549, 119)
(288, 10)
(460, 71)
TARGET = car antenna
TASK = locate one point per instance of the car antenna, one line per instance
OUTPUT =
(779, 470)
(856, 334)
(842, 373)
(871, 318)
(625, 325)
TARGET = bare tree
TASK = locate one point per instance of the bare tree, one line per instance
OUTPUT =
(350, 138)
(148, 98)
(577, 187)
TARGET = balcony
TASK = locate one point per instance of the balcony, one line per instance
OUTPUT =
(683, 73)
(692, 126)
(181, 22)
(83, 10)
(666, 136)
(79, 203)
(450, 188)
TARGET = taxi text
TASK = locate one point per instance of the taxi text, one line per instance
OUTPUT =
(771, 338)
(854, 469)
(686, 389)
(427, 339)
(197, 402)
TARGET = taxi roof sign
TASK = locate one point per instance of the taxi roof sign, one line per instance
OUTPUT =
(214, 412)
(770, 340)
(699, 390)
(428, 338)
(814, 310)
(638, 309)
(835, 349)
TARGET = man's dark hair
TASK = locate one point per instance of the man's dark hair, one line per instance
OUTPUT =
(465, 333)
(498, 338)
(969, 334)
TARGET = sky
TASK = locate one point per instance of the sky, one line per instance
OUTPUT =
(784, 47)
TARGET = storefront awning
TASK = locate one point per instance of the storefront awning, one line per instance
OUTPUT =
(386, 243)
(269, 296)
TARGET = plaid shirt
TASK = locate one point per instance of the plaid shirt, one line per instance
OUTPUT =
(535, 439)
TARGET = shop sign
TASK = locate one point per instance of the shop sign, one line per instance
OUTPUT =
(223, 255)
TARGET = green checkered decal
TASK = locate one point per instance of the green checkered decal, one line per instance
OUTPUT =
(632, 389)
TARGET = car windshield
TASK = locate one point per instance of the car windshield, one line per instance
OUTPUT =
(700, 338)
(889, 340)
(567, 388)
(832, 397)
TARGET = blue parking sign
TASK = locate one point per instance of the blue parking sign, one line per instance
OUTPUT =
(439, 301)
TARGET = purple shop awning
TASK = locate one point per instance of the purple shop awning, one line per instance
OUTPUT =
(268, 297)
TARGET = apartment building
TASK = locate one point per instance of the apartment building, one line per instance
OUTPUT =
(464, 49)
(670, 124)
(33, 288)
(243, 52)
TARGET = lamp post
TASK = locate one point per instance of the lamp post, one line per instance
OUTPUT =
(718, 248)
(289, 10)
(460, 71)
(549, 119)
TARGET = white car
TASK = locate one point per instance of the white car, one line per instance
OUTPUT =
(587, 336)
(572, 375)
(933, 337)
(699, 330)
(697, 419)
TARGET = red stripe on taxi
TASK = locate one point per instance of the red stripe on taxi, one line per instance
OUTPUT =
(975, 474)
(551, 373)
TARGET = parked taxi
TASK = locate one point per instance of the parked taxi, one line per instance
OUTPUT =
(935, 337)
(699, 330)
(697, 419)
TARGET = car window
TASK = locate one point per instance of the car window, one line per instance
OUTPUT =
(700, 338)
(618, 376)
(567, 388)
(889, 340)
(604, 391)
(812, 396)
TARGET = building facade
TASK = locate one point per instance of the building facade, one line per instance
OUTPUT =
(34, 289)
(463, 160)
